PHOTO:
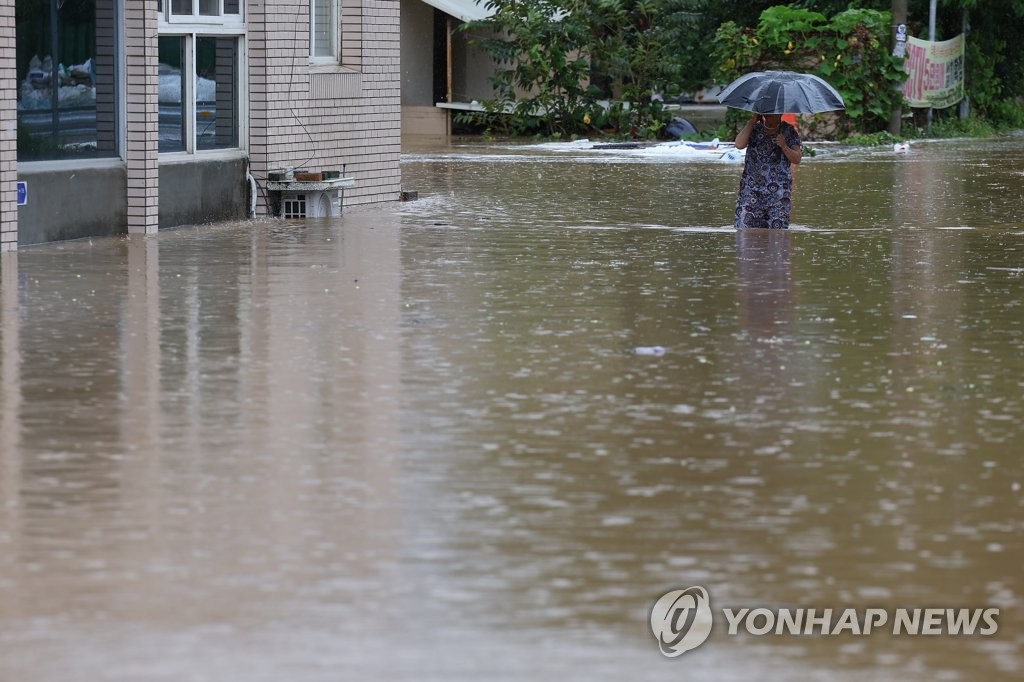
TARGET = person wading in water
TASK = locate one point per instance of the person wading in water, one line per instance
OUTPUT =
(766, 187)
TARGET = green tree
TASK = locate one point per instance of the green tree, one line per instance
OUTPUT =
(694, 54)
(994, 68)
(541, 48)
(558, 58)
(634, 54)
(851, 51)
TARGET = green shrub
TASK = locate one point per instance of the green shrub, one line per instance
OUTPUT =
(557, 59)
(850, 52)
(872, 139)
(951, 126)
(1007, 114)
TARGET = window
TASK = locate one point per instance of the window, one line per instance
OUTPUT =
(200, 75)
(67, 79)
(173, 133)
(218, 11)
(323, 30)
(216, 92)
(201, 112)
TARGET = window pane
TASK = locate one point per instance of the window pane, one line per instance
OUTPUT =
(209, 8)
(216, 93)
(232, 7)
(181, 6)
(172, 108)
(67, 103)
(323, 27)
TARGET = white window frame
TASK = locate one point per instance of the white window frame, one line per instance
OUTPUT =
(233, 26)
(335, 57)
(226, 20)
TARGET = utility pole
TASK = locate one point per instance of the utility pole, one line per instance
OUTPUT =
(931, 39)
(899, 18)
(965, 27)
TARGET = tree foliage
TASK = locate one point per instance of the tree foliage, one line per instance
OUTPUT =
(570, 66)
(994, 68)
(565, 66)
(850, 51)
(541, 48)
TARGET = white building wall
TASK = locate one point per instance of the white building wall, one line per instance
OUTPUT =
(418, 54)
(335, 117)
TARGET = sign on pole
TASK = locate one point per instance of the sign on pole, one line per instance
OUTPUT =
(900, 48)
(935, 73)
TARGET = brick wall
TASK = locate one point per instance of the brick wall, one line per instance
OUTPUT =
(142, 115)
(315, 117)
(8, 130)
(106, 83)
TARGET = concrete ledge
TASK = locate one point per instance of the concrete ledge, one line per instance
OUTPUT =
(425, 121)
(320, 186)
(203, 191)
(66, 203)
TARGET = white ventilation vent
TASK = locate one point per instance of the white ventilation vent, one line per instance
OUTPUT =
(311, 205)
(293, 206)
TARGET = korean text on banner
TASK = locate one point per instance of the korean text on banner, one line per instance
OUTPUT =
(935, 73)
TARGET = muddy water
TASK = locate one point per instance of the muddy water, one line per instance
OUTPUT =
(419, 443)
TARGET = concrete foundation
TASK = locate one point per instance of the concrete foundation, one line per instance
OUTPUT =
(70, 204)
(92, 202)
(197, 192)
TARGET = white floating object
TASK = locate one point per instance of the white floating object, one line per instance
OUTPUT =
(901, 147)
(649, 350)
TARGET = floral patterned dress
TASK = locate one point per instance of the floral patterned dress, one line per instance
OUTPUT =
(765, 197)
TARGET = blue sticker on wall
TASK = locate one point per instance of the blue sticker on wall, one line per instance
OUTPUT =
(22, 193)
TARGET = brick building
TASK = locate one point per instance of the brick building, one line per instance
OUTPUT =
(133, 115)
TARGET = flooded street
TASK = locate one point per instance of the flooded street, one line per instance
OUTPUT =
(476, 436)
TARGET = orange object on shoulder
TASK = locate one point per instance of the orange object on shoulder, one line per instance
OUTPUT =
(790, 119)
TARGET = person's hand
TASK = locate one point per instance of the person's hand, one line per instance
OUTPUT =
(780, 140)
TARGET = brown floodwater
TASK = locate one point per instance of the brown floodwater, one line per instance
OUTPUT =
(476, 436)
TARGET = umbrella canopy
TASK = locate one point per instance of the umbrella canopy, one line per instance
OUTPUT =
(781, 92)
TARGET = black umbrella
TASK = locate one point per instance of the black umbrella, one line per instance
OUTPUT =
(781, 92)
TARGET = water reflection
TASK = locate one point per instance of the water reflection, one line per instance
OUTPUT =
(781, 447)
(140, 343)
(763, 344)
(764, 264)
(10, 413)
(417, 443)
(212, 416)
